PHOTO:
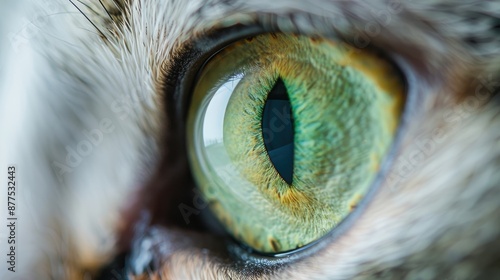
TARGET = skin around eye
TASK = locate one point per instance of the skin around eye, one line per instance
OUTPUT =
(345, 107)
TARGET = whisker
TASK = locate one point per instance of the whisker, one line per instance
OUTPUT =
(86, 5)
(107, 12)
(88, 19)
(116, 5)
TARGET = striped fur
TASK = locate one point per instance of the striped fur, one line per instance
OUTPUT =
(62, 78)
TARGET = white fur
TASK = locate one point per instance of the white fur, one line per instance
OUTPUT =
(65, 79)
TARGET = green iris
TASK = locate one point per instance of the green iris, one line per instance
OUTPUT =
(345, 106)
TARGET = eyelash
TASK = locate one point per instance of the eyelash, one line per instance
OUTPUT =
(177, 83)
(194, 59)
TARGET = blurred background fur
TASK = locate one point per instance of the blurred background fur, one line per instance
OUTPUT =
(66, 79)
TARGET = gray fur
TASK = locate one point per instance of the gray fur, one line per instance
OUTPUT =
(439, 219)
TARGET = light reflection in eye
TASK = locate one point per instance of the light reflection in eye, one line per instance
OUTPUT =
(216, 110)
(280, 194)
(212, 140)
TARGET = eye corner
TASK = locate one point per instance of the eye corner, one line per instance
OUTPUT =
(198, 57)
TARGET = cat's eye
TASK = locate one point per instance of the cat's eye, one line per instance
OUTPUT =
(287, 133)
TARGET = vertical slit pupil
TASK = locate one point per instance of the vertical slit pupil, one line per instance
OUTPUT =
(278, 131)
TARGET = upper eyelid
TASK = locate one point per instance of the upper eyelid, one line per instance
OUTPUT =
(189, 62)
(242, 254)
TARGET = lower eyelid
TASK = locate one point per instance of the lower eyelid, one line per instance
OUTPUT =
(240, 119)
(178, 104)
(236, 254)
